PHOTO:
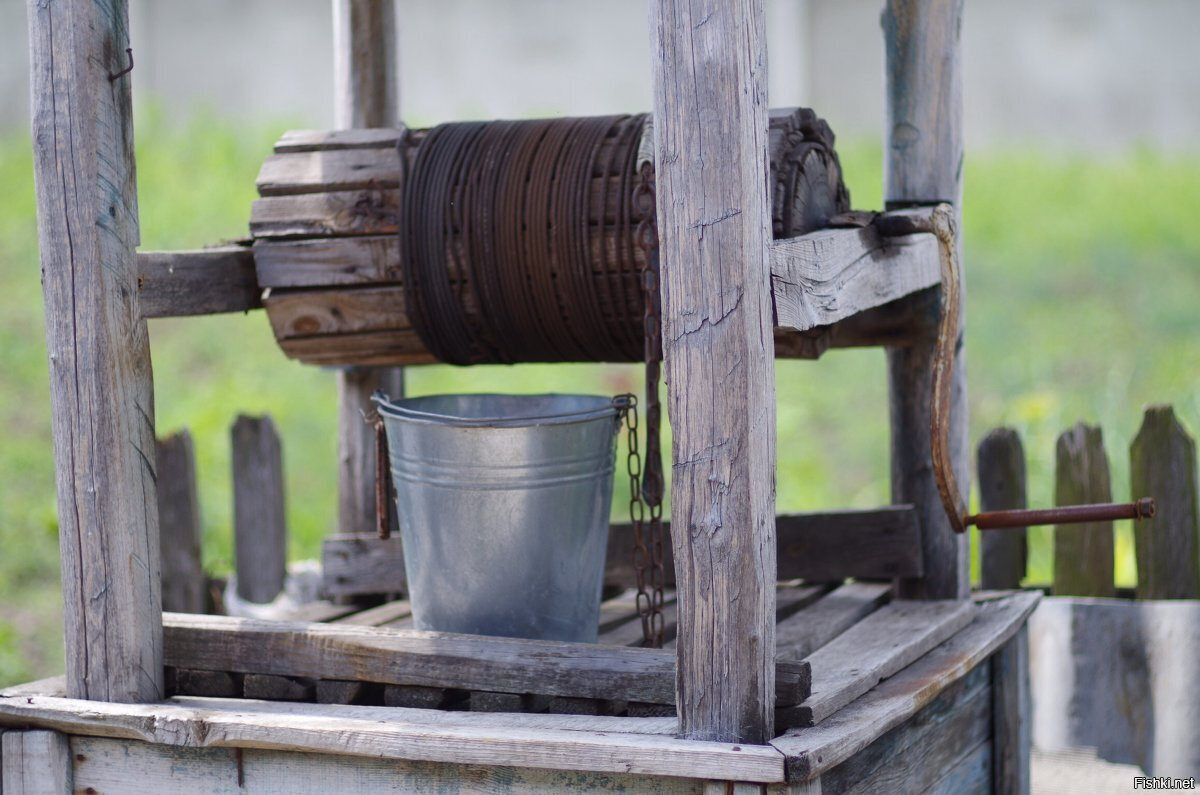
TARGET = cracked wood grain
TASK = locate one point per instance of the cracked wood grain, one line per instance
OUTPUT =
(714, 219)
(101, 389)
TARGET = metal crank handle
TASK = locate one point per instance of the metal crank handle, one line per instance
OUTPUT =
(1066, 514)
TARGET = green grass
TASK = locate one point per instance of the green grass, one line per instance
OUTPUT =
(1083, 274)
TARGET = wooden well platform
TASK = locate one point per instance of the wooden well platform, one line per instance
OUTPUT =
(924, 693)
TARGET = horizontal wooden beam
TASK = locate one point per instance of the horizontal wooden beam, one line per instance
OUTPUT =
(834, 274)
(207, 281)
(533, 741)
(820, 547)
(436, 659)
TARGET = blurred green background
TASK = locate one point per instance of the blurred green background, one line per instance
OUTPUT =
(1083, 275)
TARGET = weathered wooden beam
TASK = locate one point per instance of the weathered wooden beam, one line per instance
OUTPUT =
(834, 274)
(923, 166)
(259, 516)
(819, 547)
(101, 386)
(1083, 553)
(438, 659)
(813, 750)
(714, 222)
(1012, 715)
(207, 281)
(1001, 464)
(1162, 464)
(184, 588)
(35, 763)
(798, 636)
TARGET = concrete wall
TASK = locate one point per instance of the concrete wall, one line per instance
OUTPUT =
(1091, 73)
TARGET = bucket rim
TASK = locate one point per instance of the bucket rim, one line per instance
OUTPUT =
(604, 407)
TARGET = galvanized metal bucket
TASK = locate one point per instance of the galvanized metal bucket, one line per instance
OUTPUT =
(504, 504)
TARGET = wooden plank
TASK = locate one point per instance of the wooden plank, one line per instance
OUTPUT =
(184, 588)
(279, 688)
(217, 684)
(1162, 464)
(800, 635)
(122, 767)
(101, 386)
(329, 170)
(259, 519)
(387, 137)
(365, 77)
(918, 753)
(317, 312)
(1083, 553)
(813, 750)
(320, 729)
(1001, 465)
(924, 148)
(437, 659)
(206, 281)
(327, 262)
(360, 212)
(369, 348)
(378, 616)
(833, 274)
(822, 547)
(35, 763)
(970, 776)
(1012, 715)
(885, 642)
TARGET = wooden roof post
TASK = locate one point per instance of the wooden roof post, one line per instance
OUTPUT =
(365, 95)
(924, 166)
(101, 387)
(710, 106)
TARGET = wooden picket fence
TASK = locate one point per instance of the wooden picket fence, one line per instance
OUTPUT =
(1162, 464)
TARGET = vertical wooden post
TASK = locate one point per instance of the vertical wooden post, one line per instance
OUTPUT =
(924, 166)
(183, 583)
(259, 522)
(710, 108)
(365, 95)
(1001, 465)
(35, 763)
(1083, 553)
(100, 379)
(1012, 715)
(1162, 464)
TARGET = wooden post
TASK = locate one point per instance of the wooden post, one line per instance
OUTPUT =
(1012, 715)
(183, 588)
(923, 166)
(710, 110)
(35, 763)
(259, 522)
(1162, 465)
(101, 391)
(1001, 465)
(1083, 553)
(365, 95)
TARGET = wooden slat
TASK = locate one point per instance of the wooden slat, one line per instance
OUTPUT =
(923, 165)
(1162, 464)
(813, 750)
(435, 659)
(885, 642)
(1083, 553)
(101, 385)
(833, 274)
(821, 547)
(329, 170)
(972, 775)
(107, 766)
(1012, 715)
(319, 729)
(320, 312)
(259, 520)
(378, 616)
(803, 633)
(359, 212)
(35, 763)
(314, 140)
(1001, 465)
(206, 281)
(184, 588)
(327, 262)
(918, 753)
